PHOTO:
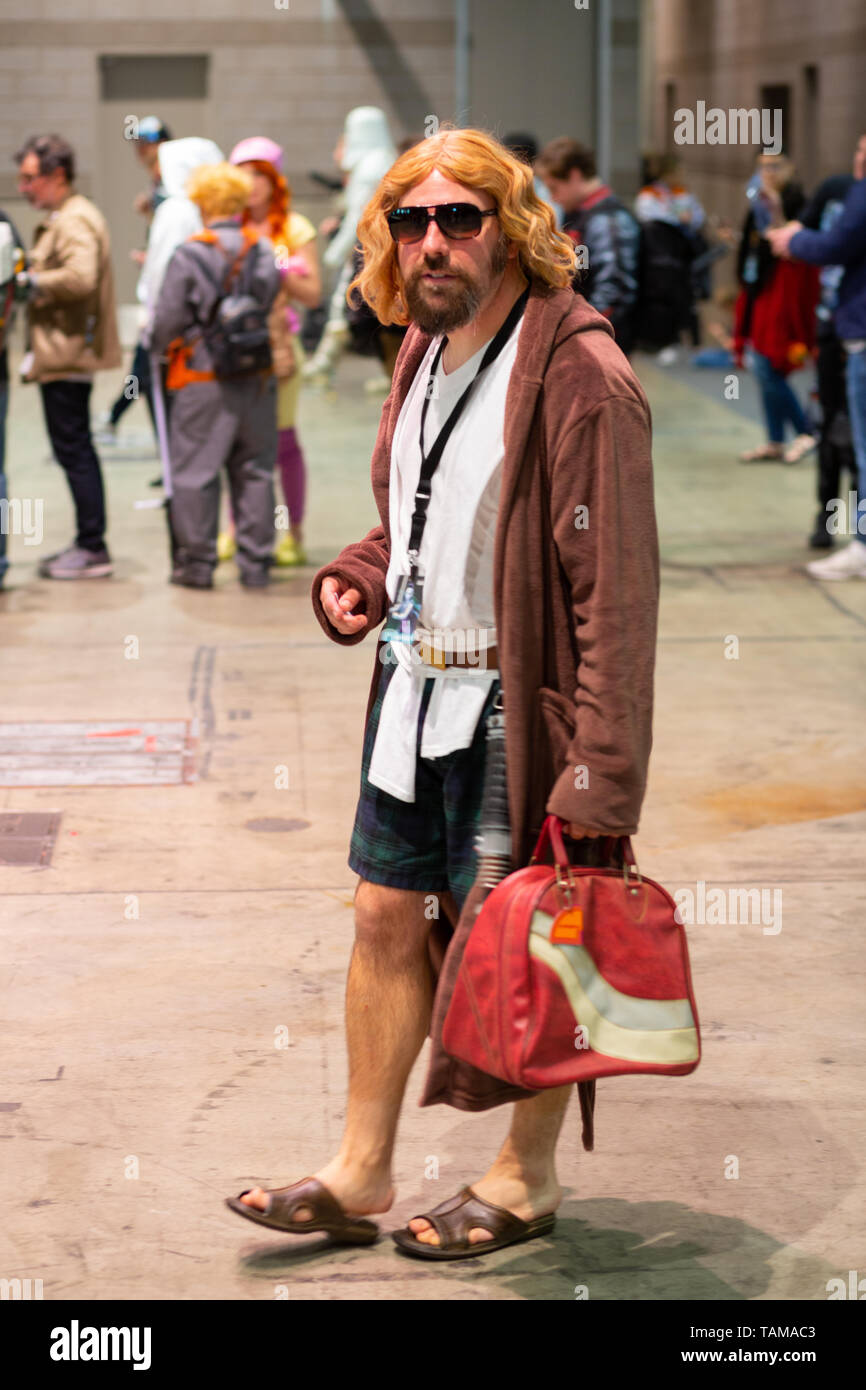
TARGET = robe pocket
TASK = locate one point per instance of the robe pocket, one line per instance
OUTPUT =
(555, 729)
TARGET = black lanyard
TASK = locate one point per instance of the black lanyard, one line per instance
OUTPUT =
(430, 462)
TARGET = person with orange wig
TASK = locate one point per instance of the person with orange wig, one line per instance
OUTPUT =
(223, 414)
(293, 236)
(515, 564)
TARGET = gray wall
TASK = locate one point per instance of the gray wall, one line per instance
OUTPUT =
(293, 74)
(532, 68)
(290, 74)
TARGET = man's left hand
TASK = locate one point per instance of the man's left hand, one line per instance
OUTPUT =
(580, 832)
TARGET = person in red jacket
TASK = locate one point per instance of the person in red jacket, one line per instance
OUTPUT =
(775, 312)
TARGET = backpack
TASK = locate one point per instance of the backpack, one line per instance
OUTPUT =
(236, 334)
(666, 292)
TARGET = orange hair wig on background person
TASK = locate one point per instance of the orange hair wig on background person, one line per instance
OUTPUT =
(478, 160)
(219, 190)
(280, 204)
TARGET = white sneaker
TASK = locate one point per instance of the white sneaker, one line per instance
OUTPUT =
(849, 563)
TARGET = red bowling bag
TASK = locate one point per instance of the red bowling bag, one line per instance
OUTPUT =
(574, 973)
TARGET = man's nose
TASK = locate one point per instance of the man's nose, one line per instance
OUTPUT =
(435, 243)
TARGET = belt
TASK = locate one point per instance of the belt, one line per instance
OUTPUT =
(487, 659)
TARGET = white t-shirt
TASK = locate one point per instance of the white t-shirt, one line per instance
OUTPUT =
(456, 560)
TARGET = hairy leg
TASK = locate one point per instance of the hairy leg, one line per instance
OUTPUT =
(389, 998)
(523, 1176)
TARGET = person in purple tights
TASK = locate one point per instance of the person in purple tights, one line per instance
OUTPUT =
(293, 236)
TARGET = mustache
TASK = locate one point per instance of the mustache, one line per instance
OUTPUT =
(440, 264)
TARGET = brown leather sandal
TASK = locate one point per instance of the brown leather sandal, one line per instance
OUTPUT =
(327, 1214)
(454, 1219)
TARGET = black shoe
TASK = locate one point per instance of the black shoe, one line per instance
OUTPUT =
(156, 482)
(258, 580)
(820, 538)
(191, 581)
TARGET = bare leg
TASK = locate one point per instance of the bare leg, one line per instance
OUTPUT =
(389, 999)
(523, 1176)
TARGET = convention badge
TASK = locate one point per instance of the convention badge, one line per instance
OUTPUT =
(405, 611)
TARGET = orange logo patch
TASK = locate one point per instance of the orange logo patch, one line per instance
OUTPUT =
(568, 926)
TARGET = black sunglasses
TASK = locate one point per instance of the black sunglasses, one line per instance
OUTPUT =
(459, 221)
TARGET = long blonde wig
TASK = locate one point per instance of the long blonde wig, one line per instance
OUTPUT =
(478, 160)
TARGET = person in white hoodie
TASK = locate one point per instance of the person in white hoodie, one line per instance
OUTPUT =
(177, 216)
(175, 220)
(366, 153)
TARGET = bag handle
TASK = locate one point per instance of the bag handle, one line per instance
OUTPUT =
(551, 831)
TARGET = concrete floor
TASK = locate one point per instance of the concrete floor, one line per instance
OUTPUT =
(146, 1045)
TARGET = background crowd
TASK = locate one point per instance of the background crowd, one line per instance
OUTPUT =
(234, 322)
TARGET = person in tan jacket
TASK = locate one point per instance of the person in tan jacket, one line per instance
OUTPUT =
(72, 330)
(535, 583)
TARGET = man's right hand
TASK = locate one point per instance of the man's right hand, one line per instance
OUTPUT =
(338, 600)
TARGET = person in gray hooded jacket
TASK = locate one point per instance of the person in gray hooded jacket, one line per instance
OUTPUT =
(217, 423)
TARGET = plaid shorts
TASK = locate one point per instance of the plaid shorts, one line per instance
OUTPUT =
(428, 844)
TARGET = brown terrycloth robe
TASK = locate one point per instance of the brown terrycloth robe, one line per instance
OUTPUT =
(576, 598)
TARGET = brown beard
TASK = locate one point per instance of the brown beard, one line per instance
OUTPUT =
(464, 299)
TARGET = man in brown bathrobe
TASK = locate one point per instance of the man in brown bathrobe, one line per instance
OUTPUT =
(575, 593)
